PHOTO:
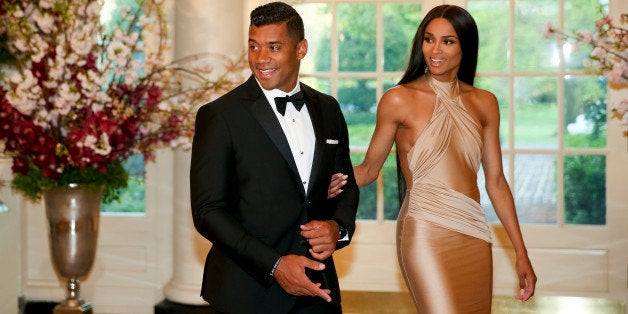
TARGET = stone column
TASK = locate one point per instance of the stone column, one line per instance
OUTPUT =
(215, 26)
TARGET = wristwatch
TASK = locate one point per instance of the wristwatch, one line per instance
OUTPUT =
(342, 230)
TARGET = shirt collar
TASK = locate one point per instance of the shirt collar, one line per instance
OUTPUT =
(271, 94)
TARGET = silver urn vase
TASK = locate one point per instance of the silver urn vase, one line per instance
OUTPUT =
(73, 214)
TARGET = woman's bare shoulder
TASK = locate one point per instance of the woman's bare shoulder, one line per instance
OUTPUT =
(408, 93)
(478, 96)
(481, 101)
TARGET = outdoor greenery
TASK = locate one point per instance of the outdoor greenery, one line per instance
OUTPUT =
(132, 198)
(585, 189)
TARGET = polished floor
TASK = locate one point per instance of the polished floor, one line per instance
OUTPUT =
(357, 302)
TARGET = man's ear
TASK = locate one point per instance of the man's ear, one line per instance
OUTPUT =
(302, 49)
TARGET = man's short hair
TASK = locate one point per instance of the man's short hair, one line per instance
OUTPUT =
(277, 13)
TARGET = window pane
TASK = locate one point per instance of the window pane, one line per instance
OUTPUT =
(579, 19)
(499, 87)
(323, 85)
(367, 206)
(532, 52)
(389, 82)
(492, 19)
(356, 37)
(585, 111)
(391, 193)
(535, 188)
(585, 189)
(401, 21)
(536, 113)
(3, 207)
(358, 103)
(132, 198)
(357, 95)
(317, 32)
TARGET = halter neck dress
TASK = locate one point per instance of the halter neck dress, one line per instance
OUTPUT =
(443, 240)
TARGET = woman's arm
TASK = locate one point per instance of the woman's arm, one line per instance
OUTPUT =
(387, 121)
(501, 196)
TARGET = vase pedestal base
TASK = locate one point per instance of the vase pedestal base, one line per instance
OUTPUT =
(73, 306)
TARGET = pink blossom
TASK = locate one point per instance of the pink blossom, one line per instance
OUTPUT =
(621, 107)
(585, 36)
(548, 30)
(44, 21)
(598, 52)
(46, 4)
(615, 75)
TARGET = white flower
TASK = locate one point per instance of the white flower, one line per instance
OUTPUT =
(97, 107)
(88, 141)
(38, 47)
(131, 39)
(97, 77)
(143, 21)
(118, 52)
(44, 21)
(125, 10)
(18, 14)
(621, 107)
(41, 119)
(56, 71)
(46, 4)
(72, 58)
(131, 78)
(21, 103)
(93, 9)
(82, 45)
(21, 44)
(102, 147)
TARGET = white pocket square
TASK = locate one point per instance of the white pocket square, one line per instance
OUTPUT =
(330, 141)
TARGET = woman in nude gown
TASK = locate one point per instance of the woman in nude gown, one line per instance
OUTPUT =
(444, 128)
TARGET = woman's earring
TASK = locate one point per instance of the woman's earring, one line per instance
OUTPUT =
(426, 69)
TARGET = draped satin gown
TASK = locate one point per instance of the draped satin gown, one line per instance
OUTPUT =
(443, 240)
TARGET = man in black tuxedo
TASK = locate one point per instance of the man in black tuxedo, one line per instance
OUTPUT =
(260, 173)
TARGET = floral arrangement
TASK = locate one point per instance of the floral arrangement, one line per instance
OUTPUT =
(77, 98)
(609, 54)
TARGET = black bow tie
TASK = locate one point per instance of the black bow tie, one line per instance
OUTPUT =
(296, 99)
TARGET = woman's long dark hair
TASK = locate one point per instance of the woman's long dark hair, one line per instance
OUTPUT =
(467, 32)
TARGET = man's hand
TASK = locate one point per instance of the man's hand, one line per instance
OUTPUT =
(290, 275)
(322, 237)
(338, 180)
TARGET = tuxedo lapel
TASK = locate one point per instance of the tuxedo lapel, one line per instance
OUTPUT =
(260, 109)
(314, 108)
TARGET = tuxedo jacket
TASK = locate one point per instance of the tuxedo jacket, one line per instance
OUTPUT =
(248, 199)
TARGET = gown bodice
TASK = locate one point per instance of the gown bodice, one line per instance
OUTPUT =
(444, 162)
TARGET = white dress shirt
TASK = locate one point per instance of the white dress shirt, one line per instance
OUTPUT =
(297, 126)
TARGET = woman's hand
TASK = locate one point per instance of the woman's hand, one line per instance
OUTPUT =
(527, 278)
(338, 180)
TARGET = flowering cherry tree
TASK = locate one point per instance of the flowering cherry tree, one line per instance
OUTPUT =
(79, 99)
(610, 42)
(609, 53)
